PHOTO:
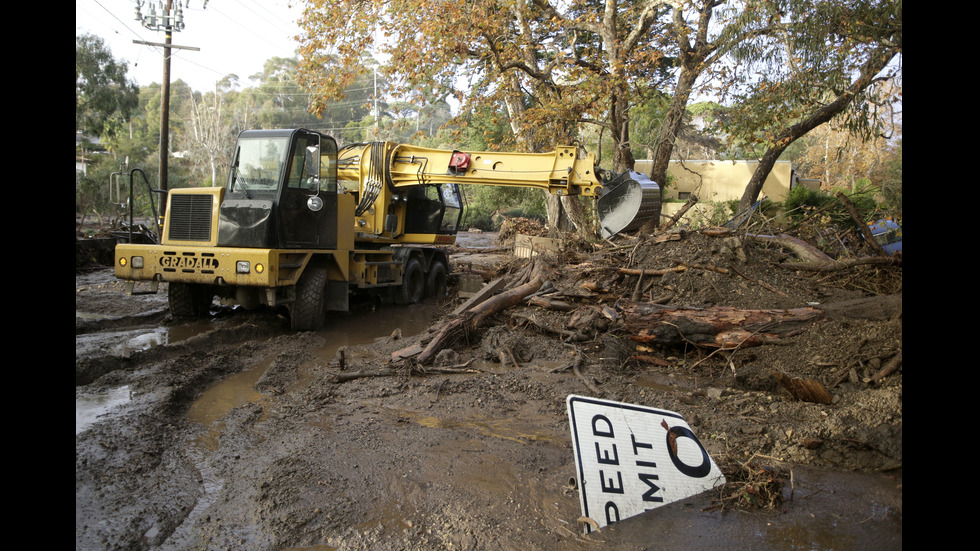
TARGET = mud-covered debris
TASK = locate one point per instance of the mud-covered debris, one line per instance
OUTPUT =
(807, 390)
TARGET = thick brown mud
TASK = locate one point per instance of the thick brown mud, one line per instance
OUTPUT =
(233, 433)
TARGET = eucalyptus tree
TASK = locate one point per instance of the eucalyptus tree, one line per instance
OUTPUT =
(212, 134)
(552, 65)
(699, 37)
(104, 96)
(830, 60)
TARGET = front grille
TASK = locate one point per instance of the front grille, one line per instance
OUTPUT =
(190, 217)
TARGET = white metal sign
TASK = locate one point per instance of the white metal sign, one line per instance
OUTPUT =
(633, 458)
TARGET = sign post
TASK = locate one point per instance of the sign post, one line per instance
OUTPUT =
(632, 458)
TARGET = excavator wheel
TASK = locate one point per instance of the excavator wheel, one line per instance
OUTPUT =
(435, 283)
(412, 288)
(307, 312)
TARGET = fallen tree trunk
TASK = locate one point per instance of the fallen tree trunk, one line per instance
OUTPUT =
(715, 327)
(802, 249)
(473, 318)
(882, 307)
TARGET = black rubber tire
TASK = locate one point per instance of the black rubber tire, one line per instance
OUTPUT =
(308, 312)
(188, 300)
(412, 289)
(435, 282)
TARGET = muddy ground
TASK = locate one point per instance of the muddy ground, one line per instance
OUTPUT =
(234, 432)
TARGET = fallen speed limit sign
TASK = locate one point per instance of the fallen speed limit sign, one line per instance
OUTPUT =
(633, 458)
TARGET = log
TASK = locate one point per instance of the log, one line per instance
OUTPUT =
(716, 327)
(801, 248)
(882, 308)
(550, 304)
(648, 271)
(837, 265)
(473, 318)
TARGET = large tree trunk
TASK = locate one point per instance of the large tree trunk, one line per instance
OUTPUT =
(671, 126)
(619, 120)
(694, 60)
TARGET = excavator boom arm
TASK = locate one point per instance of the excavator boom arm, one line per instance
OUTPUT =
(564, 171)
(381, 170)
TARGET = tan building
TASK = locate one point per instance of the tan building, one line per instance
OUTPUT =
(726, 180)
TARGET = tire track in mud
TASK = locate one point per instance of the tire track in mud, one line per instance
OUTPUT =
(135, 481)
(89, 368)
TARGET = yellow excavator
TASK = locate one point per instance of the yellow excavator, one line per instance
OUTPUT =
(303, 223)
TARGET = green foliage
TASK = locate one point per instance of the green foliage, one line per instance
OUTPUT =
(891, 185)
(104, 97)
(832, 46)
(103, 189)
(485, 204)
(721, 212)
(645, 120)
(805, 204)
(487, 129)
(480, 217)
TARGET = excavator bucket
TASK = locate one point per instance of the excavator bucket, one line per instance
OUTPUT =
(628, 201)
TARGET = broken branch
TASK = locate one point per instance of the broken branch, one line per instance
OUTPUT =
(476, 316)
(889, 368)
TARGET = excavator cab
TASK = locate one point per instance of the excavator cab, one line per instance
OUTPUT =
(433, 209)
(282, 191)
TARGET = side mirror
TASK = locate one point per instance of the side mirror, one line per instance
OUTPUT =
(312, 164)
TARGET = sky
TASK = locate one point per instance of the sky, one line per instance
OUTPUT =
(234, 36)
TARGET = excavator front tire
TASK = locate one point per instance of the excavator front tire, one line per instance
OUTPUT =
(188, 300)
(308, 311)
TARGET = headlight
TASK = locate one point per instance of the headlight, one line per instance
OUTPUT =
(242, 267)
(137, 262)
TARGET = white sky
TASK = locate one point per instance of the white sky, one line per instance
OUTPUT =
(234, 36)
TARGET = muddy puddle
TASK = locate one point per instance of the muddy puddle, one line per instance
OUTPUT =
(362, 326)
(90, 409)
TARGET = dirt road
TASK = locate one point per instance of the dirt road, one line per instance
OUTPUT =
(234, 433)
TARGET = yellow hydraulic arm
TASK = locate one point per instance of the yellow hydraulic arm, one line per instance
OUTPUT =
(377, 170)
(564, 171)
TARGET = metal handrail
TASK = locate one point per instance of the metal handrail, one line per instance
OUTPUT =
(153, 208)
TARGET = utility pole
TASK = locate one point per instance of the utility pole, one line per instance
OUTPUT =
(166, 18)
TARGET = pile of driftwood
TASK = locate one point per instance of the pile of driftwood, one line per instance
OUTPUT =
(719, 328)
(519, 225)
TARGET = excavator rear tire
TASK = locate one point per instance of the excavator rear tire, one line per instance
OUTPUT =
(412, 289)
(308, 311)
(435, 283)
